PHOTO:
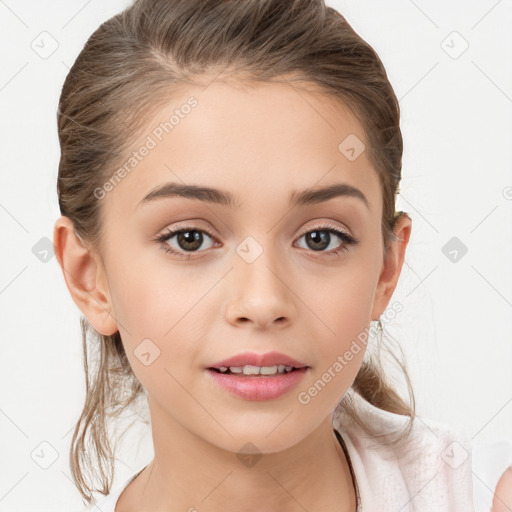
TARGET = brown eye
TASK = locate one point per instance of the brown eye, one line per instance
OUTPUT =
(322, 237)
(189, 239)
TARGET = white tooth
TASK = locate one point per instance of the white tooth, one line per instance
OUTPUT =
(223, 369)
(235, 369)
(280, 368)
(268, 370)
(251, 370)
(288, 368)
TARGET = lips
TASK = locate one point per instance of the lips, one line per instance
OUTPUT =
(255, 359)
(242, 376)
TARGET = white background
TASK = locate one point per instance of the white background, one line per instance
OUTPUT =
(456, 326)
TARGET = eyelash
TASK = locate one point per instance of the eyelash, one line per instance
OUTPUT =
(165, 237)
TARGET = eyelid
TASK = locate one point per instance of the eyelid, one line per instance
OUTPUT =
(192, 225)
(172, 232)
(326, 225)
(196, 225)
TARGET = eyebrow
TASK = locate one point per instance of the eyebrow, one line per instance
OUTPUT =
(225, 198)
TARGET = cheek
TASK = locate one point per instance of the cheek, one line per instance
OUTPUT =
(345, 306)
(147, 299)
(347, 301)
(160, 315)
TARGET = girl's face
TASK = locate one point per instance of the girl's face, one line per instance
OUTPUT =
(266, 272)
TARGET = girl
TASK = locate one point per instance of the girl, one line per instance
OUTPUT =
(227, 185)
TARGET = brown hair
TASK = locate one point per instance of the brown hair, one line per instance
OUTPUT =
(130, 65)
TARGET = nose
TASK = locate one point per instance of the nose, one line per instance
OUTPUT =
(260, 293)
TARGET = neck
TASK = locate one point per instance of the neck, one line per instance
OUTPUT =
(188, 473)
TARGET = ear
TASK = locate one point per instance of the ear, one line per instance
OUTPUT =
(85, 277)
(392, 266)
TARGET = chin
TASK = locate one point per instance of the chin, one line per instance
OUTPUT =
(259, 438)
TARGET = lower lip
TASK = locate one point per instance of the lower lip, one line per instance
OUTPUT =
(258, 387)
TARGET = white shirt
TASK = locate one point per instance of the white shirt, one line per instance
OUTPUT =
(431, 473)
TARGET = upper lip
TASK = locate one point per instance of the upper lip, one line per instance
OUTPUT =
(254, 359)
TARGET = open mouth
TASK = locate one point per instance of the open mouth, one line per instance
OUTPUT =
(258, 382)
(257, 371)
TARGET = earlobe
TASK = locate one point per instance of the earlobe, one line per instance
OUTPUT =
(392, 266)
(84, 277)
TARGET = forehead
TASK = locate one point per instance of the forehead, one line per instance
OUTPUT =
(250, 139)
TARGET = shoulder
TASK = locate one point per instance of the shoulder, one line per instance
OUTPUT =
(428, 470)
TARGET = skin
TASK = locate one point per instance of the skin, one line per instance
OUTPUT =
(502, 501)
(260, 143)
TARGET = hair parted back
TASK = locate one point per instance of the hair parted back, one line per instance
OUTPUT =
(132, 64)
